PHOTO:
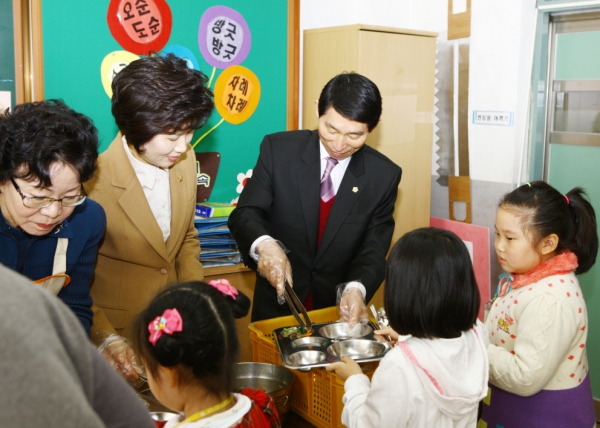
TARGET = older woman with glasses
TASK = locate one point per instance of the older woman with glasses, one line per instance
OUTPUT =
(49, 231)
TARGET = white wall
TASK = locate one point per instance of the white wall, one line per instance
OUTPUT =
(502, 35)
(428, 15)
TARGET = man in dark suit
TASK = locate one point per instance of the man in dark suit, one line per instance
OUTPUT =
(320, 204)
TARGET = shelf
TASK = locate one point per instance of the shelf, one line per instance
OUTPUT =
(222, 270)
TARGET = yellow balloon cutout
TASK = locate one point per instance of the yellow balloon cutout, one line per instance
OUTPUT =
(237, 92)
(111, 65)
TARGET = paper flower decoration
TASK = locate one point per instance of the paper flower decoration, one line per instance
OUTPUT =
(242, 178)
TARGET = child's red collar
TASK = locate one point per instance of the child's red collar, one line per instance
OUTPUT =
(563, 262)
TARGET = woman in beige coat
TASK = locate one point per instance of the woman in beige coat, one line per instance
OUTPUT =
(146, 183)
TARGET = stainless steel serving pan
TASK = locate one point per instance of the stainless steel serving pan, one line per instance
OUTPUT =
(328, 344)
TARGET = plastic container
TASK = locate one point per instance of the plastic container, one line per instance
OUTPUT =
(317, 395)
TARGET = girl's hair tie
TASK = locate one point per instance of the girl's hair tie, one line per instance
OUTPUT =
(224, 287)
(529, 184)
(169, 322)
(567, 198)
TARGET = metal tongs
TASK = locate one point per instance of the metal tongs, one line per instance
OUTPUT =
(296, 306)
(381, 320)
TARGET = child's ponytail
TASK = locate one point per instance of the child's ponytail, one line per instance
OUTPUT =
(585, 239)
(238, 302)
(168, 351)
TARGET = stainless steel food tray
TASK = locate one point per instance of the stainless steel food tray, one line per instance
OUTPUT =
(332, 348)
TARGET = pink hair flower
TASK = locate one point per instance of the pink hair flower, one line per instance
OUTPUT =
(169, 322)
(224, 287)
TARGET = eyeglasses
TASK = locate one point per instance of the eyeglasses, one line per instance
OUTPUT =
(43, 202)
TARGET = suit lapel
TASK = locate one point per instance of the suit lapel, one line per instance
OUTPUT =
(309, 189)
(177, 183)
(346, 196)
(133, 200)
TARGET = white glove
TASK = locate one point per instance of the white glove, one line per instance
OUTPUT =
(273, 264)
(352, 308)
(118, 353)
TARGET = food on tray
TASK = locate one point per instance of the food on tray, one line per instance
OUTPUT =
(296, 332)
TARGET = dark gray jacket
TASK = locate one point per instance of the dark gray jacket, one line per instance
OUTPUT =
(52, 376)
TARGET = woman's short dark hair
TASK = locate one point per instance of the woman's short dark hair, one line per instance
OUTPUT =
(207, 347)
(159, 95)
(353, 96)
(430, 289)
(37, 135)
(542, 210)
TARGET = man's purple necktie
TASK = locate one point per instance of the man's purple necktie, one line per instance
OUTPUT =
(326, 184)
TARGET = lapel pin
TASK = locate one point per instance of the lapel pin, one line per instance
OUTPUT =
(355, 189)
(180, 178)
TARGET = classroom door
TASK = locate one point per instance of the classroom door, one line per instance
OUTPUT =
(573, 139)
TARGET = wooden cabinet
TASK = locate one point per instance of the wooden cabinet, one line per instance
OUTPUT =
(402, 65)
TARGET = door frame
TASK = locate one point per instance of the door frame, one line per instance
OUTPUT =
(565, 23)
(541, 74)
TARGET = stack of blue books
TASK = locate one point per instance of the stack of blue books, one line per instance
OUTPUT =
(217, 247)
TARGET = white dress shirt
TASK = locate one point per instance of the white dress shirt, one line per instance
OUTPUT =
(155, 183)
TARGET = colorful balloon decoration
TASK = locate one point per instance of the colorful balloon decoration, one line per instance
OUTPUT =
(224, 37)
(237, 92)
(140, 26)
(111, 65)
(182, 52)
